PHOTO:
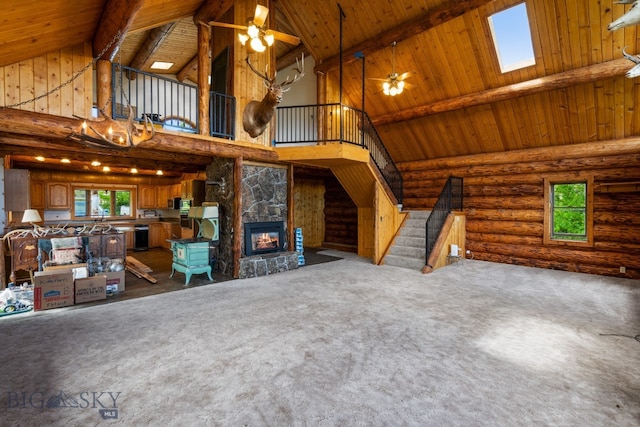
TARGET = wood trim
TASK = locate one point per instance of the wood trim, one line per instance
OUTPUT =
(548, 182)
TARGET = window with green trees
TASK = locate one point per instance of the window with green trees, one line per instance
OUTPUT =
(568, 211)
(102, 203)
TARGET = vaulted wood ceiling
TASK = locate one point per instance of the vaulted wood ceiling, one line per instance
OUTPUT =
(458, 102)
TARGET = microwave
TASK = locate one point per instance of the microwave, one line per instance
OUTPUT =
(174, 203)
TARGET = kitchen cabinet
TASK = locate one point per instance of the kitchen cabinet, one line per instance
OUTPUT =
(171, 231)
(129, 235)
(162, 196)
(58, 195)
(156, 232)
(147, 197)
(176, 190)
(193, 189)
(16, 189)
(37, 195)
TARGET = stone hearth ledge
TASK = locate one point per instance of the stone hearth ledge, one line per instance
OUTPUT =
(263, 265)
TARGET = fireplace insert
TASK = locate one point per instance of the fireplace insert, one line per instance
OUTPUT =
(263, 237)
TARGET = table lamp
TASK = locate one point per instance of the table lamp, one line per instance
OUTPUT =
(31, 216)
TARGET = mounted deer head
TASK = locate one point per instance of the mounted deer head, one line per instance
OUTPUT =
(635, 70)
(632, 17)
(257, 115)
(111, 132)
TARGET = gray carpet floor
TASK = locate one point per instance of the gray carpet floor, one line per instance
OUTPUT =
(344, 343)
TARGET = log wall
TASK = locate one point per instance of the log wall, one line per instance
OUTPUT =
(31, 78)
(504, 204)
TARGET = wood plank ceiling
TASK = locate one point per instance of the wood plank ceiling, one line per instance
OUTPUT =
(450, 102)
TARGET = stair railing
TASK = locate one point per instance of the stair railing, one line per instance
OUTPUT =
(450, 199)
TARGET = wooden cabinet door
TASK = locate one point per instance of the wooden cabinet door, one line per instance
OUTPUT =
(162, 196)
(176, 190)
(58, 195)
(147, 196)
(24, 253)
(37, 194)
(113, 246)
(129, 239)
(155, 234)
(16, 189)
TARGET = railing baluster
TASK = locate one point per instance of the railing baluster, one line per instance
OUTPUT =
(450, 199)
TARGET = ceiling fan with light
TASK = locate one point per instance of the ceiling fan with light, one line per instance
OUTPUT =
(257, 35)
(394, 83)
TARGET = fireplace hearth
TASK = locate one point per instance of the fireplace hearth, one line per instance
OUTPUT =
(263, 237)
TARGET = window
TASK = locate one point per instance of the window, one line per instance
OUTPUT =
(97, 203)
(568, 212)
(512, 38)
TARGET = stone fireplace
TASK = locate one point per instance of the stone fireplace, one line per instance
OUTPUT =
(264, 237)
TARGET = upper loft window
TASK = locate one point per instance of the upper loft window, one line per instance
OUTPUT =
(512, 38)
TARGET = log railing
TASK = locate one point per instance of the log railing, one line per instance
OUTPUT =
(335, 123)
(168, 102)
(450, 199)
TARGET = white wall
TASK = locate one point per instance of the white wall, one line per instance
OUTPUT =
(304, 91)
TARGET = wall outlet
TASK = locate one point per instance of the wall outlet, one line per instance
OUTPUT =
(623, 269)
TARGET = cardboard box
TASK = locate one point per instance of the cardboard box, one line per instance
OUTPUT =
(116, 278)
(52, 289)
(91, 289)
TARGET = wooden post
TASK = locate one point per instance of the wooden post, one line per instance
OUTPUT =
(204, 88)
(104, 91)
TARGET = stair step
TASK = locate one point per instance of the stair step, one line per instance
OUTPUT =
(410, 241)
(404, 262)
(407, 251)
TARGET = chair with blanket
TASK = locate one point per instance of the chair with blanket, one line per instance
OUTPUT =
(62, 251)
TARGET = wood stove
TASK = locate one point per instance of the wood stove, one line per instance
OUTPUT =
(263, 237)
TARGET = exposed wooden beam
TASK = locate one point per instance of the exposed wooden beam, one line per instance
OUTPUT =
(151, 44)
(290, 57)
(446, 12)
(117, 18)
(48, 126)
(588, 74)
(212, 10)
(187, 70)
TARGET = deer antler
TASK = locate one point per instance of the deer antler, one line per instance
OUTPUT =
(264, 76)
(132, 132)
(111, 132)
(300, 69)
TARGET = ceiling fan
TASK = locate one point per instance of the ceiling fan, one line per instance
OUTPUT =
(258, 36)
(394, 83)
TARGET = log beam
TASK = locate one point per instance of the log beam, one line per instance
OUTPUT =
(575, 77)
(212, 10)
(204, 71)
(21, 122)
(151, 44)
(439, 15)
(117, 18)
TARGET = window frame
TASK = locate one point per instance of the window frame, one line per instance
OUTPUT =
(549, 182)
(104, 187)
(499, 48)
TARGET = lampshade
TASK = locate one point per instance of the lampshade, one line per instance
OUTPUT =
(31, 215)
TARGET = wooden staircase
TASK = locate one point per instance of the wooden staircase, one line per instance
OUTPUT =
(408, 249)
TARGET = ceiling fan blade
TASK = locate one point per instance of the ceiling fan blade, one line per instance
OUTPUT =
(404, 75)
(226, 25)
(284, 37)
(260, 17)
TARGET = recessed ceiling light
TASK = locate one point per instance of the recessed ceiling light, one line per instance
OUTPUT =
(158, 172)
(40, 158)
(134, 170)
(95, 163)
(106, 169)
(65, 161)
(159, 65)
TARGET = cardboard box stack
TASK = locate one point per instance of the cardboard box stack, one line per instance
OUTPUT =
(53, 289)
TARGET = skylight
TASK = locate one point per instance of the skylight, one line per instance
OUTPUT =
(512, 38)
